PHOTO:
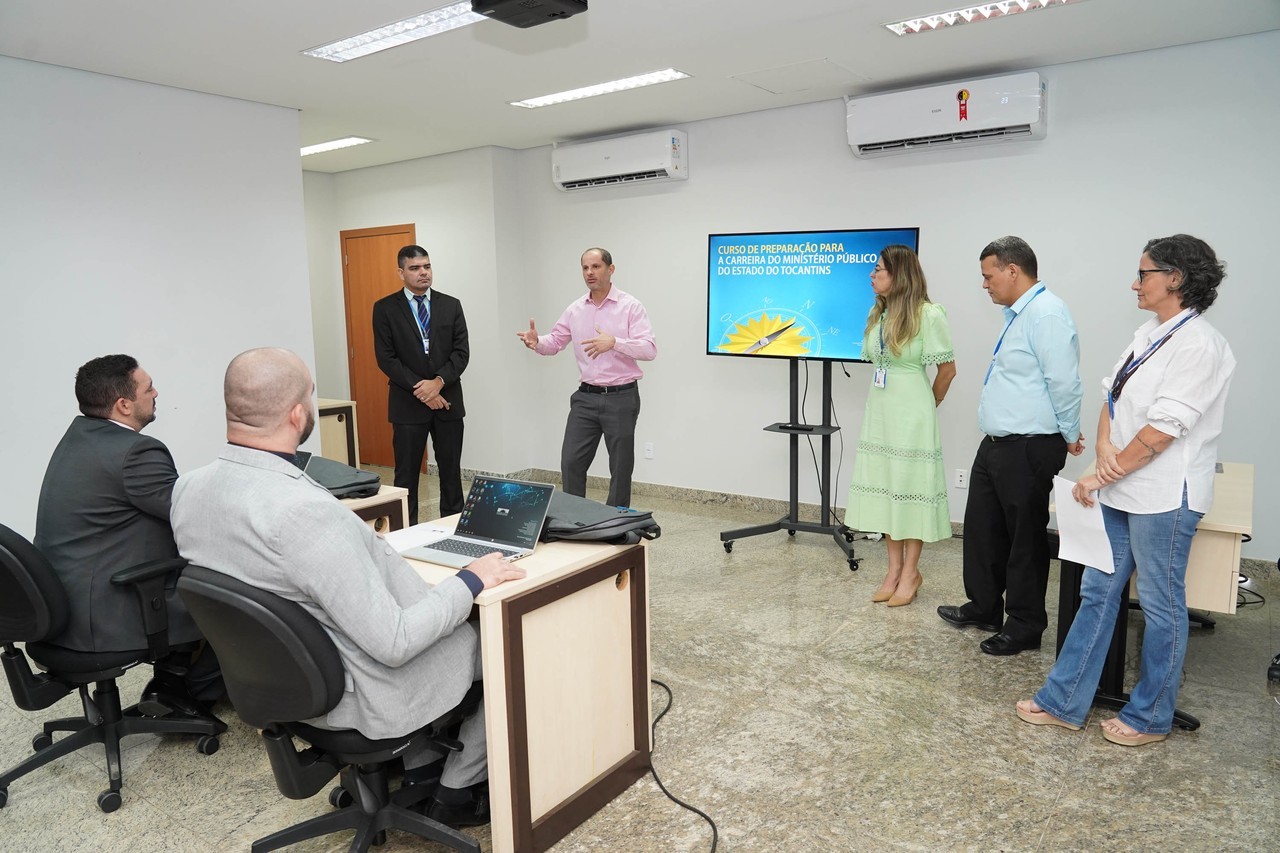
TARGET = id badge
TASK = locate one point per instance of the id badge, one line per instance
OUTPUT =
(426, 346)
(880, 376)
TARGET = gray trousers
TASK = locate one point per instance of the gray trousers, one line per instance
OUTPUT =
(471, 764)
(590, 417)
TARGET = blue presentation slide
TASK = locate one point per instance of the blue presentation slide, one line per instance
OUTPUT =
(803, 294)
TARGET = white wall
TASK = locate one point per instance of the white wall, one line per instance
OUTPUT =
(140, 219)
(1139, 146)
(328, 306)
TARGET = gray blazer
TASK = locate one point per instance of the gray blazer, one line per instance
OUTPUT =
(408, 650)
(104, 506)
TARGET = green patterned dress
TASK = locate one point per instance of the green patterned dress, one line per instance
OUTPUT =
(898, 486)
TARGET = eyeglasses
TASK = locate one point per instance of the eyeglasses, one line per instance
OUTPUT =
(878, 269)
(1142, 274)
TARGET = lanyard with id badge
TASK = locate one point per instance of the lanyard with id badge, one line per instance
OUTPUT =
(881, 376)
(1000, 342)
(1131, 365)
(422, 318)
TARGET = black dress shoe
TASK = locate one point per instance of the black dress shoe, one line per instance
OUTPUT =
(474, 812)
(160, 699)
(1003, 644)
(428, 775)
(956, 616)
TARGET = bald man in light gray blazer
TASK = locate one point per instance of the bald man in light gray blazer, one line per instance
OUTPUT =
(409, 653)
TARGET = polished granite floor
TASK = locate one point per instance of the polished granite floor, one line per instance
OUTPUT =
(806, 718)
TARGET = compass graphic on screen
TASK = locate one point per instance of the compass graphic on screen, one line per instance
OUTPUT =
(785, 333)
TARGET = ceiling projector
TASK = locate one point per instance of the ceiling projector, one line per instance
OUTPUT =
(527, 13)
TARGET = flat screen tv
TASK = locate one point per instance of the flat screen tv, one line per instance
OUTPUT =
(794, 294)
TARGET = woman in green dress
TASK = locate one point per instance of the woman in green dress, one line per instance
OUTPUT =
(898, 487)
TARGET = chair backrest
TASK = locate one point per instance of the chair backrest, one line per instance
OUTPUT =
(33, 604)
(278, 662)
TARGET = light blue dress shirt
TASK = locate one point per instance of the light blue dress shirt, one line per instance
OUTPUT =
(1034, 386)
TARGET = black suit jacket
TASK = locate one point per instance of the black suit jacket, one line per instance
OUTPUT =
(397, 344)
(104, 506)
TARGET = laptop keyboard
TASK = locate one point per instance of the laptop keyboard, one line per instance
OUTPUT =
(469, 549)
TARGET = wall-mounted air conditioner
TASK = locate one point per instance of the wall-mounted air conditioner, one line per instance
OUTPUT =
(968, 112)
(656, 155)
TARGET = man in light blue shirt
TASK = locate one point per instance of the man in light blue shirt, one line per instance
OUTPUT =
(1030, 414)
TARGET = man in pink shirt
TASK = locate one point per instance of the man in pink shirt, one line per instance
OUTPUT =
(611, 333)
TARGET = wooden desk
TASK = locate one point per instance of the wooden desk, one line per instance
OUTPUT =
(566, 685)
(339, 435)
(386, 511)
(1213, 566)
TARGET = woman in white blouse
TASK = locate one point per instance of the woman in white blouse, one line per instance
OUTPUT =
(1157, 449)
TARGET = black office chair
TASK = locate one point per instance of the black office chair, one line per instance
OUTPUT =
(280, 666)
(33, 607)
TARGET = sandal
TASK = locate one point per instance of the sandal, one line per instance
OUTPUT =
(1041, 717)
(1135, 739)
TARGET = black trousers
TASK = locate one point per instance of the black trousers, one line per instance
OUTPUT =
(590, 417)
(409, 443)
(1006, 547)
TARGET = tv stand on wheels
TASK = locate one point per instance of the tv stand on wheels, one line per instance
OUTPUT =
(840, 533)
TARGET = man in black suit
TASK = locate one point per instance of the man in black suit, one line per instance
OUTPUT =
(104, 506)
(420, 340)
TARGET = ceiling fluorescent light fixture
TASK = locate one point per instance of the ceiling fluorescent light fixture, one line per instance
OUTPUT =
(334, 145)
(640, 80)
(401, 32)
(972, 15)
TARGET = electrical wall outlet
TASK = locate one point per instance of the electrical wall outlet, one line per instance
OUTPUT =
(961, 479)
(648, 450)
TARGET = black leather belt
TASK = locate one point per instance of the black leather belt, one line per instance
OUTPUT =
(1018, 436)
(605, 389)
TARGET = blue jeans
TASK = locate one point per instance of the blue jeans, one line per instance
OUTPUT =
(1156, 545)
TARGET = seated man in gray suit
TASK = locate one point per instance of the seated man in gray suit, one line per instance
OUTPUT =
(409, 652)
(104, 506)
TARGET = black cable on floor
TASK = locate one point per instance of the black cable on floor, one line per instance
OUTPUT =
(653, 735)
(1243, 598)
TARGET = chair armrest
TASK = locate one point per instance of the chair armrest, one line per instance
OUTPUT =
(31, 691)
(299, 773)
(148, 570)
(150, 582)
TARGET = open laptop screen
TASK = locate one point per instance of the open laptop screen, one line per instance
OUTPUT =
(504, 511)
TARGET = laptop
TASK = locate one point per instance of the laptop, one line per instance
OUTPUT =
(500, 515)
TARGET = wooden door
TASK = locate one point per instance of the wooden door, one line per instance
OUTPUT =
(368, 274)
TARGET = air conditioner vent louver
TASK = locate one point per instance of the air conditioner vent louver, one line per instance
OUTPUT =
(942, 140)
(633, 177)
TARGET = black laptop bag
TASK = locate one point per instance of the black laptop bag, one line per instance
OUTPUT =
(571, 518)
(341, 480)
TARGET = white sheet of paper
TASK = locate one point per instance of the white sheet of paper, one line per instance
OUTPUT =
(419, 534)
(1082, 538)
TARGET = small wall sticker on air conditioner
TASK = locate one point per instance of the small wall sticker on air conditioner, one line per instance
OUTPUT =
(656, 155)
(964, 113)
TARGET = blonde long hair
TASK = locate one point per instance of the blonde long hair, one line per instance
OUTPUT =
(908, 293)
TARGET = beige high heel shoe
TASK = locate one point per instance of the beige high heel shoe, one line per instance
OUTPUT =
(903, 600)
(882, 594)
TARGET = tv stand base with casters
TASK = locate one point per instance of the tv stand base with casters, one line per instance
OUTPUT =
(841, 534)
